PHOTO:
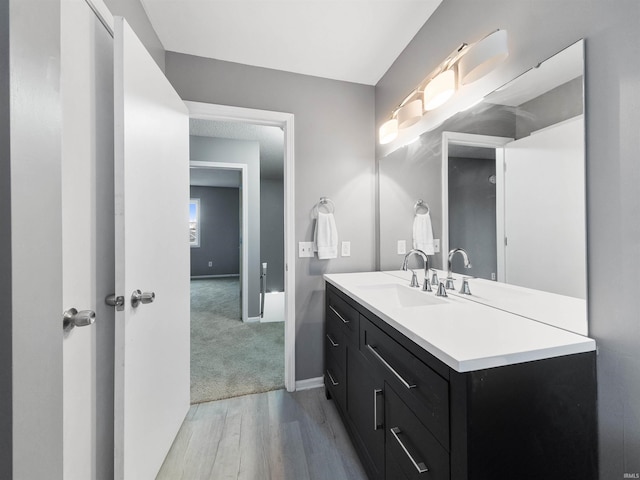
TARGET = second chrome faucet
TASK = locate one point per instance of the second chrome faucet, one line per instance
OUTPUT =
(467, 264)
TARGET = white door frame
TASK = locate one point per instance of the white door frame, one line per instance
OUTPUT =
(474, 140)
(208, 111)
(244, 274)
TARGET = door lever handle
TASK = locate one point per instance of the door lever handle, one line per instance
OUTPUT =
(138, 297)
(73, 318)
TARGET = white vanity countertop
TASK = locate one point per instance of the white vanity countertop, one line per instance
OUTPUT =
(465, 335)
(565, 312)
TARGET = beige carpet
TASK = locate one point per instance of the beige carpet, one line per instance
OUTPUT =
(230, 358)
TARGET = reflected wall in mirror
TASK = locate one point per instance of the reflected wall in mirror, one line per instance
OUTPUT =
(525, 227)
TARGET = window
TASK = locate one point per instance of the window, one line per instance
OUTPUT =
(194, 222)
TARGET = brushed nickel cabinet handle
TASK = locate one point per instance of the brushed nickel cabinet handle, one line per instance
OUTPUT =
(333, 342)
(420, 466)
(376, 423)
(339, 316)
(391, 369)
(333, 382)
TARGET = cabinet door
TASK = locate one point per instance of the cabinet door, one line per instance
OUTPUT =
(365, 407)
(410, 445)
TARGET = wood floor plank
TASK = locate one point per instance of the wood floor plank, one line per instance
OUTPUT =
(269, 436)
(227, 459)
(254, 436)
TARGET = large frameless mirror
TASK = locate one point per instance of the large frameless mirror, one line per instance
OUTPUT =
(504, 180)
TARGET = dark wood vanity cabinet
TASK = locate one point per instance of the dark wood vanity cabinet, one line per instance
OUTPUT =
(411, 416)
(341, 333)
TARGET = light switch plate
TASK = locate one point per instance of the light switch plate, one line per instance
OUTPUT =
(436, 245)
(305, 249)
(402, 247)
(346, 249)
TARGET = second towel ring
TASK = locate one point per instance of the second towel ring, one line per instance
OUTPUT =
(420, 204)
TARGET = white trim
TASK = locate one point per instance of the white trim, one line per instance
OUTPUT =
(103, 14)
(244, 173)
(252, 319)
(471, 139)
(501, 235)
(208, 111)
(309, 383)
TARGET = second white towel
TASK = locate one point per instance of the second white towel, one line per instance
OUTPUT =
(423, 233)
(325, 236)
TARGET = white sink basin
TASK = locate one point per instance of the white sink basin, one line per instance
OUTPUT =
(401, 296)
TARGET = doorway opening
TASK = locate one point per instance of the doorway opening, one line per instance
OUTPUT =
(473, 201)
(259, 292)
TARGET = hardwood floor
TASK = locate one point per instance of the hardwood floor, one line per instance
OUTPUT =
(275, 435)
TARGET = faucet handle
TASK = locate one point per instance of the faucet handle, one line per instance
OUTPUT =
(434, 279)
(465, 286)
(442, 291)
(450, 285)
(414, 280)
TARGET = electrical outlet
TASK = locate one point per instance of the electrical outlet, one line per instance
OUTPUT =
(346, 249)
(305, 249)
(211, 264)
(402, 247)
(436, 245)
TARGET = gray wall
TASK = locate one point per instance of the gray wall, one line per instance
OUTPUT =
(536, 31)
(35, 140)
(219, 232)
(272, 231)
(334, 157)
(206, 149)
(6, 432)
(563, 102)
(137, 18)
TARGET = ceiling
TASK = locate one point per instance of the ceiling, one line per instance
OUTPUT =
(349, 40)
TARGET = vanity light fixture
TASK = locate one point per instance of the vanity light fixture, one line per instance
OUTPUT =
(388, 131)
(466, 63)
(409, 113)
(483, 57)
(440, 89)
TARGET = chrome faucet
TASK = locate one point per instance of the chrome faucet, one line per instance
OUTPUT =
(467, 264)
(426, 286)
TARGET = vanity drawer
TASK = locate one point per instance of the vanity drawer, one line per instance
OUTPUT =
(411, 451)
(343, 315)
(334, 344)
(336, 382)
(426, 392)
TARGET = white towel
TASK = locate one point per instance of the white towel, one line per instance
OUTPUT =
(423, 233)
(325, 237)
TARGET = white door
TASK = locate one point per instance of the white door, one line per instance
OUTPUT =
(545, 228)
(86, 88)
(152, 255)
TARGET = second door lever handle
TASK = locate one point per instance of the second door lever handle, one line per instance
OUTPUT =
(138, 297)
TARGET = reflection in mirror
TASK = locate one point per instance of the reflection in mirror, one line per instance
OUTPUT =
(523, 224)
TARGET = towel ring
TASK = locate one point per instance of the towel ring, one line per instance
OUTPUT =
(327, 204)
(420, 204)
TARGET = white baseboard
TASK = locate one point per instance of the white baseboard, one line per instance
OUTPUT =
(253, 319)
(309, 383)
